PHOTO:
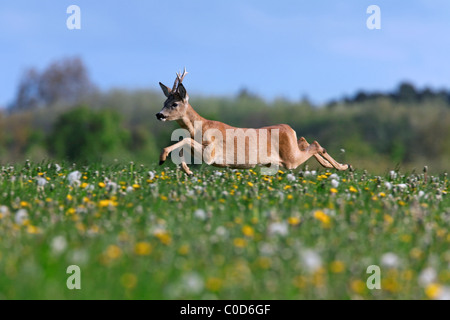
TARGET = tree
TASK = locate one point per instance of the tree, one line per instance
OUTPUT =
(65, 81)
(82, 134)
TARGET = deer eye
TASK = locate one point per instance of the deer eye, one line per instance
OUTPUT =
(174, 105)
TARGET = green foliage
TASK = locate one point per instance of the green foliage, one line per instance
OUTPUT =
(83, 134)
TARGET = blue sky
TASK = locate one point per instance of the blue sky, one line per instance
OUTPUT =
(321, 49)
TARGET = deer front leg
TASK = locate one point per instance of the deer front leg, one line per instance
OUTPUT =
(191, 142)
(303, 144)
(333, 162)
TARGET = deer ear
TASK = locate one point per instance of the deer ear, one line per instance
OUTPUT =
(165, 89)
(182, 92)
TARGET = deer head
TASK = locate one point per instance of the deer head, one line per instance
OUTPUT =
(176, 103)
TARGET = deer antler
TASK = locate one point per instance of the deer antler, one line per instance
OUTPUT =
(179, 79)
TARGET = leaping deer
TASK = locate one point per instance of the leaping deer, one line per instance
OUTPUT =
(290, 152)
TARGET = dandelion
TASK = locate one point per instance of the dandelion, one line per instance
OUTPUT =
(218, 173)
(113, 252)
(213, 284)
(101, 184)
(333, 190)
(293, 221)
(239, 242)
(248, 231)
(151, 175)
(402, 186)
(382, 194)
(322, 216)
(353, 189)
(143, 248)
(41, 182)
(337, 266)
(433, 290)
(192, 283)
(250, 184)
(128, 280)
(388, 185)
(393, 174)
(129, 189)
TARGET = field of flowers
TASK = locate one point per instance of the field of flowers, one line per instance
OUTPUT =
(140, 232)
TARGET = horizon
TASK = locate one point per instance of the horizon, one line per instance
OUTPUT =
(321, 51)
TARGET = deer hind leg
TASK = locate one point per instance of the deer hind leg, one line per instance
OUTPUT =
(303, 144)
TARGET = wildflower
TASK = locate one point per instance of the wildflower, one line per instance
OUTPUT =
(58, 244)
(240, 242)
(129, 189)
(41, 182)
(311, 259)
(184, 249)
(382, 194)
(136, 186)
(433, 290)
(293, 221)
(113, 252)
(402, 186)
(358, 286)
(290, 177)
(388, 185)
(248, 231)
(213, 284)
(334, 183)
(290, 197)
(163, 236)
(393, 174)
(74, 177)
(250, 184)
(427, 276)
(21, 216)
(200, 214)
(58, 167)
(322, 216)
(337, 266)
(143, 248)
(128, 280)
(353, 189)
(151, 175)
(333, 190)
(390, 260)
(218, 173)
(280, 228)
(101, 184)
(192, 283)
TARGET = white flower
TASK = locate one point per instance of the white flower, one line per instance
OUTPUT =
(129, 189)
(313, 173)
(388, 185)
(427, 276)
(334, 176)
(151, 175)
(221, 231)
(58, 167)
(4, 210)
(41, 181)
(421, 194)
(280, 228)
(218, 173)
(112, 186)
(444, 293)
(200, 214)
(311, 259)
(393, 174)
(390, 260)
(290, 177)
(21, 216)
(74, 177)
(402, 186)
(343, 150)
(334, 183)
(58, 244)
(307, 173)
(192, 282)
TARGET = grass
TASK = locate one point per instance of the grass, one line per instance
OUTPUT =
(140, 232)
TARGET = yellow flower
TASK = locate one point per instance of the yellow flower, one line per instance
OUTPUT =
(213, 284)
(164, 198)
(143, 248)
(287, 187)
(382, 194)
(333, 190)
(358, 286)
(101, 184)
(248, 231)
(433, 290)
(69, 197)
(184, 249)
(290, 197)
(293, 220)
(280, 172)
(24, 204)
(402, 203)
(113, 252)
(136, 186)
(322, 216)
(240, 242)
(353, 189)
(337, 266)
(388, 219)
(32, 229)
(128, 280)
(84, 185)
(164, 237)
(250, 184)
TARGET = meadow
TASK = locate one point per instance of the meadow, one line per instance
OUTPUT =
(148, 232)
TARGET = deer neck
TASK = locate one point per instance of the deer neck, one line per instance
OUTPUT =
(188, 120)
